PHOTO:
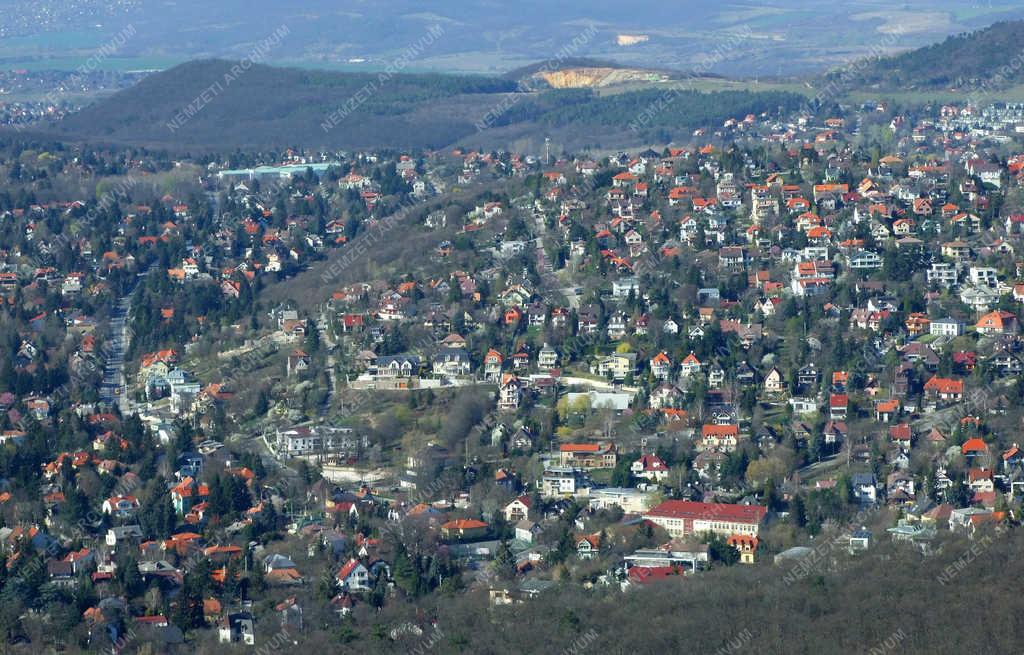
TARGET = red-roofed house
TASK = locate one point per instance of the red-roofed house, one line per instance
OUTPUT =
(518, 509)
(643, 575)
(188, 493)
(722, 438)
(1013, 457)
(838, 405)
(661, 366)
(464, 530)
(901, 434)
(353, 576)
(650, 467)
(746, 545)
(944, 389)
(121, 506)
(997, 322)
(974, 447)
(887, 410)
(601, 455)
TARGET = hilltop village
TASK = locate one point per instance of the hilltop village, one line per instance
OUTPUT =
(252, 395)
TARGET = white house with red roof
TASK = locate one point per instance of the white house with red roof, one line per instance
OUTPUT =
(353, 576)
(723, 438)
(690, 366)
(493, 362)
(650, 467)
(122, 506)
(510, 392)
(997, 322)
(838, 405)
(518, 509)
(188, 493)
(661, 366)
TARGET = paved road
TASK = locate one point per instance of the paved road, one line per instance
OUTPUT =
(327, 341)
(544, 267)
(113, 389)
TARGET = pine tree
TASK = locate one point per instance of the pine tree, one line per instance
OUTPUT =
(231, 576)
(257, 577)
(262, 403)
(218, 499)
(404, 572)
(798, 510)
(131, 579)
(312, 338)
(240, 498)
(505, 562)
(188, 613)
(720, 551)
(160, 516)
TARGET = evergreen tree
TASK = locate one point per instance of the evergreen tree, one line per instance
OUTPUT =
(720, 551)
(798, 511)
(240, 498)
(505, 562)
(188, 613)
(257, 577)
(232, 570)
(404, 572)
(262, 404)
(218, 499)
(312, 344)
(131, 579)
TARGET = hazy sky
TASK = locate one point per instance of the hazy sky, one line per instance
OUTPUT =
(784, 36)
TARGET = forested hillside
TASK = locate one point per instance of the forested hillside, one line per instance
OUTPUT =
(991, 56)
(204, 105)
(892, 599)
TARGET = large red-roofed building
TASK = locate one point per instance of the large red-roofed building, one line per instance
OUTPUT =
(684, 517)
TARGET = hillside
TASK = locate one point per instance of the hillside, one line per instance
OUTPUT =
(980, 59)
(267, 105)
(891, 600)
(201, 105)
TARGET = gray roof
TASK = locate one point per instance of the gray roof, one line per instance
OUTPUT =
(794, 553)
(451, 354)
(277, 561)
(863, 478)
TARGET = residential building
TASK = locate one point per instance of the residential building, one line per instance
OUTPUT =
(683, 518)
